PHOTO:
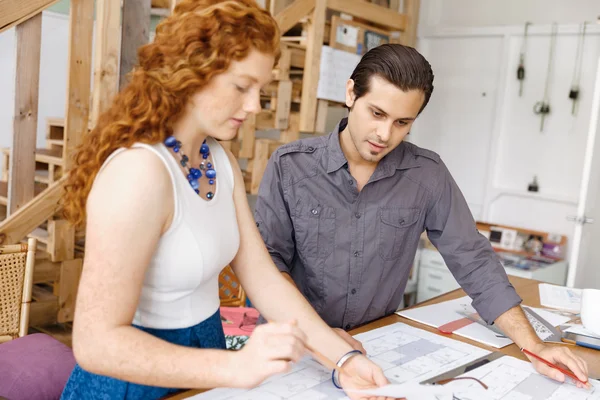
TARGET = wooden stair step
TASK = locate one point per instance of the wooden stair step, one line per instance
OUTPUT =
(55, 142)
(38, 188)
(47, 156)
(46, 271)
(41, 235)
(44, 307)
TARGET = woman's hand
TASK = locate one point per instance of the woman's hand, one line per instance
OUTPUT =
(270, 350)
(360, 373)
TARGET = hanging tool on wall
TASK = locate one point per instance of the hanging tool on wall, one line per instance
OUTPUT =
(574, 92)
(543, 107)
(521, 67)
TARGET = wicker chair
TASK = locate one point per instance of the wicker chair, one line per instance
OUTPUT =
(230, 290)
(16, 281)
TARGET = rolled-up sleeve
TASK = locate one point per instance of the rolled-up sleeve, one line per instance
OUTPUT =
(467, 253)
(272, 217)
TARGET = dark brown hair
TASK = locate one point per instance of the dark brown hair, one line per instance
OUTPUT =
(400, 65)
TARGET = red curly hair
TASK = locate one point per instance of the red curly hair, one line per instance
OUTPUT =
(197, 42)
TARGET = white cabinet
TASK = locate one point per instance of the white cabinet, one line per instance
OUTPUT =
(436, 279)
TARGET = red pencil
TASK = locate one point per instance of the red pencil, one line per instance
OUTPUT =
(548, 363)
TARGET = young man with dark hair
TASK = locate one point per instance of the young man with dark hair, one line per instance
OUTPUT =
(342, 214)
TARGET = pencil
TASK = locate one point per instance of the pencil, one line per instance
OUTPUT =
(548, 363)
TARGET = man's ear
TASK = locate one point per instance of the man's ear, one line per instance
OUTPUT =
(350, 96)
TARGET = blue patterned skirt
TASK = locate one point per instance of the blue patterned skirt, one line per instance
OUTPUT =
(83, 385)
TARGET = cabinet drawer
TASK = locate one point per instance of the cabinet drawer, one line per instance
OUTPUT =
(439, 279)
(427, 293)
(432, 258)
(433, 282)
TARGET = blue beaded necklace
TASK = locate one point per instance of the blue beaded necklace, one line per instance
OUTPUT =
(194, 174)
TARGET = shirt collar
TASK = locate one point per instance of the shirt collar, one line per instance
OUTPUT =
(400, 158)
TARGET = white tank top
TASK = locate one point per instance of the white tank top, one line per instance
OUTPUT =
(181, 286)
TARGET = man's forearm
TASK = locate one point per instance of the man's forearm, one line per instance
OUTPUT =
(515, 325)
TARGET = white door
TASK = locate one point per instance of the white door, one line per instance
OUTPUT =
(459, 119)
(584, 268)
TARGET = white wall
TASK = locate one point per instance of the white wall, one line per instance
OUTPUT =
(53, 76)
(488, 135)
(436, 14)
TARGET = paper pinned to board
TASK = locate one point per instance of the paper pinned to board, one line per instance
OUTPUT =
(409, 391)
(347, 35)
(336, 68)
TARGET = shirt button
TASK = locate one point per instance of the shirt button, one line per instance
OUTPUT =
(347, 326)
(357, 215)
(314, 211)
(350, 182)
(257, 224)
(356, 254)
(311, 149)
(353, 291)
(401, 222)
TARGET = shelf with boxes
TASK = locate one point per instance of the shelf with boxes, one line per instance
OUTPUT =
(291, 103)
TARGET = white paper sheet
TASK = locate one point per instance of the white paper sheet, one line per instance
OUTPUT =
(336, 68)
(442, 313)
(508, 378)
(553, 318)
(560, 297)
(580, 330)
(411, 391)
(406, 354)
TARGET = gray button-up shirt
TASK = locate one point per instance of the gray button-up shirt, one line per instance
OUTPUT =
(350, 252)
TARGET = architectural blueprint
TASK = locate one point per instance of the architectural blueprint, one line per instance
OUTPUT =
(511, 379)
(406, 354)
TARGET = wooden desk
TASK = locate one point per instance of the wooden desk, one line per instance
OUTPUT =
(526, 288)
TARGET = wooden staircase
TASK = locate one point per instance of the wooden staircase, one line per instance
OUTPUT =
(58, 265)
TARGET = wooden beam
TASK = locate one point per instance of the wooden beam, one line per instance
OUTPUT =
(247, 135)
(135, 33)
(321, 120)
(411, 10)
(284, 103)
(276, 6)
(371, 12)
(14, 12)
(43, 312)
(395, 5)
(81, 22)
(293, 13)
(293, 131)
(106, 60)
(33, 214)
(312, 66)
(61, 240)
(22, 160)
(70, 273)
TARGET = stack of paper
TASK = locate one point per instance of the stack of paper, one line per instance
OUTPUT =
(443, 313)
(560, 297)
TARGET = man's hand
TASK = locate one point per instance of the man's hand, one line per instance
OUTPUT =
(356, 345)
(562, 357)
(515, 325)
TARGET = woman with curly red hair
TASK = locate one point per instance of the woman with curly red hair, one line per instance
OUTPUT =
(165, 211)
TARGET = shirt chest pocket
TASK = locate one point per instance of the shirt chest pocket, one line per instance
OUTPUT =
(396, 226)
(314, 227)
